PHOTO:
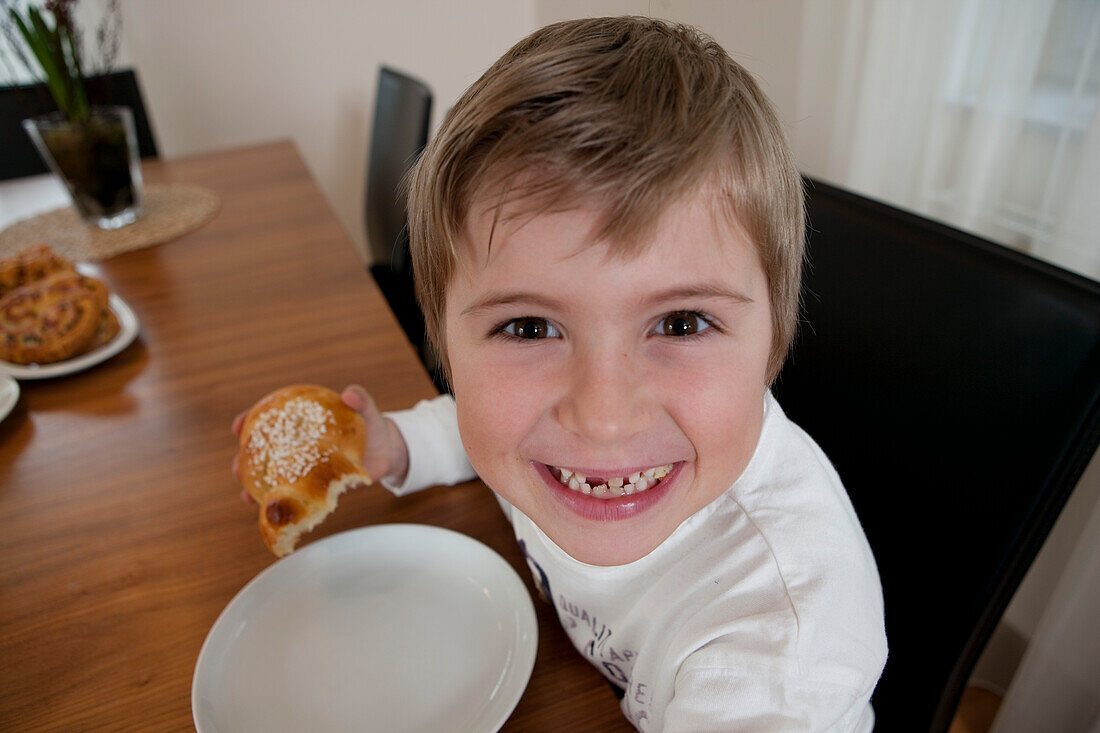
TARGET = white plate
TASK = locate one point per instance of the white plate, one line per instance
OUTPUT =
(9, 395)
(127, 330)
(395, 627)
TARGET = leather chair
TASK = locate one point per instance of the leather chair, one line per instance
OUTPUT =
(955, 384)
(17, 103)
(402, 112)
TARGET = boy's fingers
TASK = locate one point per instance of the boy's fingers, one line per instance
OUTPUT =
(238, 421)
(357, 398)
(247, 497)
(235, 466)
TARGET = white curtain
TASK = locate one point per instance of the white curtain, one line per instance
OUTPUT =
(981, 113)
(1076, 242)
(894, 69)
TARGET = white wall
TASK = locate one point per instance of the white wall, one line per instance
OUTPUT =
(222, 73)
(821, 75)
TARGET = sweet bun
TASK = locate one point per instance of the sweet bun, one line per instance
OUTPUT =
(300, 448)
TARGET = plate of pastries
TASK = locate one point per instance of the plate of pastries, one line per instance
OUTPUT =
(56, 320)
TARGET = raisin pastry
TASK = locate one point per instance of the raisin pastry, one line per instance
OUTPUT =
(33, 263)
(51, 319)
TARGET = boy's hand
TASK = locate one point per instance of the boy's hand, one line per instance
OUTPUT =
(386, 455)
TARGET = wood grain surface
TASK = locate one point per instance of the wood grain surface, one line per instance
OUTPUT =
(122, 536)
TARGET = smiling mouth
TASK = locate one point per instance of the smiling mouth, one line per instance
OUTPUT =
(603, 487)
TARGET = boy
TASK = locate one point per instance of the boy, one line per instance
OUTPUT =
(607, 235)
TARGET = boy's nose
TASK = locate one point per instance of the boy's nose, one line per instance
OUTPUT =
(604, 403)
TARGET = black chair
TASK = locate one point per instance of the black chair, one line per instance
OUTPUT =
(17, 103)
(402, 112)
(955, 384)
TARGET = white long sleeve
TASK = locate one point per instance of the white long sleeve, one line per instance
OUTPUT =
(436, 455)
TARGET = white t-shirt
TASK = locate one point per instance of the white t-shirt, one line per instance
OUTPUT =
(761, 612)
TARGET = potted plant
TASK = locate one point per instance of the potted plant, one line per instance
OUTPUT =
(92, 148)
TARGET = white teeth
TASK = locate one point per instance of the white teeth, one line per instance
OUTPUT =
(616, 486)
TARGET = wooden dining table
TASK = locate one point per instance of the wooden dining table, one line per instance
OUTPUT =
(122, 533)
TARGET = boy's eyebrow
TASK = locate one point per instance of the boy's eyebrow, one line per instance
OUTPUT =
(680, 292)
(696, 290)
(496, 300)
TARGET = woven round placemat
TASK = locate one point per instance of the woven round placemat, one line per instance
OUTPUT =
(171, 210)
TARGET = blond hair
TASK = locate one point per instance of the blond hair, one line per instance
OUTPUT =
(628, 114)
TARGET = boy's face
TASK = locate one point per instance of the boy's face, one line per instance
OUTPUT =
(565, 358)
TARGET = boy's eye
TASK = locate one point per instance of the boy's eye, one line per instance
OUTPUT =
(530, 329)
(683, 323)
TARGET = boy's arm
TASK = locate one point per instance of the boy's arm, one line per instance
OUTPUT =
(435, 453)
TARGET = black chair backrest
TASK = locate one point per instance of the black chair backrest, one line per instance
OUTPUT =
(20, 158)
(955, 384)
(402, 112)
